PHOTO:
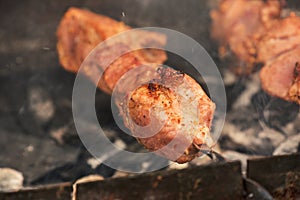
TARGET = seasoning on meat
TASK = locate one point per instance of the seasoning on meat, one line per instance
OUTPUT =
(178, 107)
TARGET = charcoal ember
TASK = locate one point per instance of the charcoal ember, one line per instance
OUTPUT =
(10, 180)
(290, 145)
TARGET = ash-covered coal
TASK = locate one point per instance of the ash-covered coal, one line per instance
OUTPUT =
(257, 123)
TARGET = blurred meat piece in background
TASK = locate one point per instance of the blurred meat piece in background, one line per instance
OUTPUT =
(237, 25)
(80, 31)
(277, 77)
(279, 50)
(282, 37)
(251, 33)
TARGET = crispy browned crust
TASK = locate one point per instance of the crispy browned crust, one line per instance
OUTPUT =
(151, 99)
(80, 31)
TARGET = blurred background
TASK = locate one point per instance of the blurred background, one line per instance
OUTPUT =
(37, 133)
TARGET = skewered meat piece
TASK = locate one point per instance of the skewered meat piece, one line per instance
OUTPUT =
(179, 111)
(237, 25)
(80, 31)
(279, 49)
(172, 103)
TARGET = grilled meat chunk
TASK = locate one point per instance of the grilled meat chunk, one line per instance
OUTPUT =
(80, 31)
(177, 109)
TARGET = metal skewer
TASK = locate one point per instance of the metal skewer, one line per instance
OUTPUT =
(210, 153)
